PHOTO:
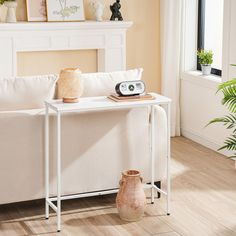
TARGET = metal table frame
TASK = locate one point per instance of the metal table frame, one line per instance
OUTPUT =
(100, 104)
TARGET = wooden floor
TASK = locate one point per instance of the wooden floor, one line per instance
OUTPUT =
(203, 203)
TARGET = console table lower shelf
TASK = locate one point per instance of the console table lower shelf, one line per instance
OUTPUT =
(101, 104)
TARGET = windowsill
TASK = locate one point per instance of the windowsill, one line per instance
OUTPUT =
(196, 77)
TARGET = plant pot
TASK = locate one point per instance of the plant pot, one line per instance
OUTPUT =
(11, 11)
(131, 199)
(206, 69)
(70, 84)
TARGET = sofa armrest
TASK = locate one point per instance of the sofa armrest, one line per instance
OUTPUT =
(161, 142)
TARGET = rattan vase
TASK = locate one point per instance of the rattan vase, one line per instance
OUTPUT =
(69, 84)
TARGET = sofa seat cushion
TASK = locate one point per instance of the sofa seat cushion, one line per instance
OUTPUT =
(21, 93)
(102, 84)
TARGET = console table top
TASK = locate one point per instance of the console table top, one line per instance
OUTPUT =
(103, 103)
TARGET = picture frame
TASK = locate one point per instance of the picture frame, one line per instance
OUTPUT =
(65, 10)
(36, 10)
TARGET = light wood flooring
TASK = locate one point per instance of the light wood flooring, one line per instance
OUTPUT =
(203, 203)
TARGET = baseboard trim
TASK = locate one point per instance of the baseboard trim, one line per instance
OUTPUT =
(204, 141)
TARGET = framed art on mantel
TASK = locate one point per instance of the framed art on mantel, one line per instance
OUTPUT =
(65, 10)
(36, 10)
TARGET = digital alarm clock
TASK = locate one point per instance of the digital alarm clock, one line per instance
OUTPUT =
(130, 88)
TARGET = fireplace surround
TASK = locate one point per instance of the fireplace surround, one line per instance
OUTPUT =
(109, 38)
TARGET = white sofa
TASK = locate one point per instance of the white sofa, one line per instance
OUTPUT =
(96, 146)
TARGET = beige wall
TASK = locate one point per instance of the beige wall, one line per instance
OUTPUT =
(38, 63)
(143, 44)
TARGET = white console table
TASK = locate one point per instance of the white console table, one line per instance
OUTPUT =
(100, 104)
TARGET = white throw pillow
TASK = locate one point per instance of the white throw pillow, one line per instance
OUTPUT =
(26, 92)
(103, 83)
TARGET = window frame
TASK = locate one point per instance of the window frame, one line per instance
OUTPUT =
(201, 34)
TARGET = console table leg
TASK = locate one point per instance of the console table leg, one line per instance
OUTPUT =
(152, 153)
(46, 162)
(58, 172)
(168, 158)
(158, 184)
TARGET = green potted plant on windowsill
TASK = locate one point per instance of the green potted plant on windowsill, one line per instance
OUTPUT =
(229, 121)
(11, 10)
(205, 60)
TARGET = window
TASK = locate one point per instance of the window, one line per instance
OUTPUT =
(210, 31)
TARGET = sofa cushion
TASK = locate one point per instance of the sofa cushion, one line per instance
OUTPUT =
(102, 84)
(26, 92)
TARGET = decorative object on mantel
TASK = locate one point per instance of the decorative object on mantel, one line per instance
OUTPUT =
(36, 10)
(65, 10)
(11, 10)
(115, 9)
(98, 8)
(205, 60)
(131, 199)
(69, 84)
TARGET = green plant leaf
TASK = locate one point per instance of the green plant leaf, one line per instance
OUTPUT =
(224, 85)
(229, 121)
(230, 143)
(229, 91)
(229, 100)
(205, 57)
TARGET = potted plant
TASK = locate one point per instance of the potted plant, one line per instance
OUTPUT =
(11, 10)
(205, 60)
(229, 121)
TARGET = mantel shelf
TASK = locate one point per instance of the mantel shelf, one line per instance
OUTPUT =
(22, 26)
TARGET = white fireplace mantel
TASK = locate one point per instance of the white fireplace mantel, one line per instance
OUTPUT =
(109, 38)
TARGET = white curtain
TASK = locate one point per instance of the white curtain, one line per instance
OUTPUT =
(171, 56)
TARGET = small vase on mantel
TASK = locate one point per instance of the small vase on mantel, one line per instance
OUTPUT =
(98, 9)
(11, 11)
(131, 199)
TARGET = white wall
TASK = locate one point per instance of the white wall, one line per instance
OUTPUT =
(199, 102)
